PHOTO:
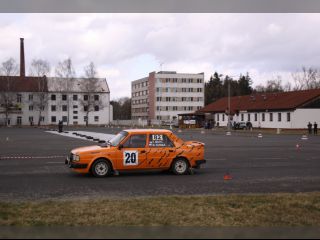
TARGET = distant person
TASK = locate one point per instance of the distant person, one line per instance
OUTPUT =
(315, 128)
(310, 128)
(60, 126)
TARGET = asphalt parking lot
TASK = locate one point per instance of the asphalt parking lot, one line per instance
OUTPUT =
(270, 164)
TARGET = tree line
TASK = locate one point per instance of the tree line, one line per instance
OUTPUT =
(41, 68)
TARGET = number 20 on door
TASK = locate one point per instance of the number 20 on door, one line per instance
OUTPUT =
(130, 158)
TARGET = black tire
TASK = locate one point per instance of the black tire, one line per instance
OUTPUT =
(180, 166)
(101, 168)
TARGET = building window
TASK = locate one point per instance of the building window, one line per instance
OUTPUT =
(19, 120)
(96, 97)
(75, 117)
(279, 117)
(64, 108)
(64, 97)
(242, 117)
(53, 119)
(53, 97)
(85, 118)
(218, 117)
(96, 118)
(53, 108)
(85, 108)
(255, 117)
(263, 117)
(222, 117)
(271, 117)
(75, 112)
(288, 117)
(75, 97)
(42, 119)
(19, 98)
(30, 97)
(75, 106)
(31, 108)
(85, 97)
(96, 108)
(64, 119)
(249, 117)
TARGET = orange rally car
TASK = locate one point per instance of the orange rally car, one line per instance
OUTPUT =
(138, 150)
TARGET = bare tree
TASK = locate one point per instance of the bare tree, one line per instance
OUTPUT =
(8, 97)
(287, 87)
(40, 69)
(90, 87)
(274, 85)
(307, 78)
(66, 73)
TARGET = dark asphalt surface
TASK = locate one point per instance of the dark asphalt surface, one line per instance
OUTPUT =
(269, 165)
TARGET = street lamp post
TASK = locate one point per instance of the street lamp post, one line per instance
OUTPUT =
(229, 110)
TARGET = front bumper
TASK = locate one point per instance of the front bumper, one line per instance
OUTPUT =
(199, 163)
(75, 165)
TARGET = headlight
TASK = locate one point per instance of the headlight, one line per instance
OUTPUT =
(76, 158)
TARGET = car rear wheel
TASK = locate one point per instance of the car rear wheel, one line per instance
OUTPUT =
(101, 168)
(180, 166)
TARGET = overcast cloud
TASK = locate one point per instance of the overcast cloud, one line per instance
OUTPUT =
(127, 47)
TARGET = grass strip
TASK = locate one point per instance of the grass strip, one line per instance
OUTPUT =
(267, 210)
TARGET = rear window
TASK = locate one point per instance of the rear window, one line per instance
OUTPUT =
(160, 140)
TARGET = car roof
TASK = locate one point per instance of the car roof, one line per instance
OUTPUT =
(147, 131)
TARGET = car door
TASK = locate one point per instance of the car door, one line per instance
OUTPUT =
(160, 152)
(133, 153)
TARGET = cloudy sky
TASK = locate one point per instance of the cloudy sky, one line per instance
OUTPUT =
(126, 47)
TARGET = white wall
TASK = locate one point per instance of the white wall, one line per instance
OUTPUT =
(301, 117)
(267, 123)
(105, 114)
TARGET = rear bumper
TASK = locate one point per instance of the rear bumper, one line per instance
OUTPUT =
(199, 163)
(75, 165)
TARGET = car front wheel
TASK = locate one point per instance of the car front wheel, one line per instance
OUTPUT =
(180, 166)
(101, 168)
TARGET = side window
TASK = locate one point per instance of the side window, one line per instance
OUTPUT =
(160, 140)
(136, 141)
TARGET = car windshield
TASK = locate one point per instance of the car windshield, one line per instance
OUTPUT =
(118, 138)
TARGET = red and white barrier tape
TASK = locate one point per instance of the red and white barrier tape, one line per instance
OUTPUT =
(24, 157)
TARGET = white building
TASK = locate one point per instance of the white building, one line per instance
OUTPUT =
(62, 99)
(63, 103)
(287, 110)
(26, 104)
(162, 96)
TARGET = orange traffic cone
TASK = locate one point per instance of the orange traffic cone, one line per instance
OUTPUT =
(227, 177)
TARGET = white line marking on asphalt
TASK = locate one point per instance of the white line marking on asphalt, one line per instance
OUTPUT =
(55, 162)
(269, 158)
(217, 159)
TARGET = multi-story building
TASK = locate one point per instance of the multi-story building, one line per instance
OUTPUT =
(163, 95)
(26, 100)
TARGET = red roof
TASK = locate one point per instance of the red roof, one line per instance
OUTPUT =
(264, 101)
(21, 84)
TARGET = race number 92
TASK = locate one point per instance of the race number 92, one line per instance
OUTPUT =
(130, 158)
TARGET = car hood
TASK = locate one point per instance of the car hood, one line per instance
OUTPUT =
(92, 149)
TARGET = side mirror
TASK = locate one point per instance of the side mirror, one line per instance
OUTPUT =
(120, 146)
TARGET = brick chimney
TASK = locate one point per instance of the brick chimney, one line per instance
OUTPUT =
(22, 63)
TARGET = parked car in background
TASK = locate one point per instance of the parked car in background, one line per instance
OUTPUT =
(240, 125)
